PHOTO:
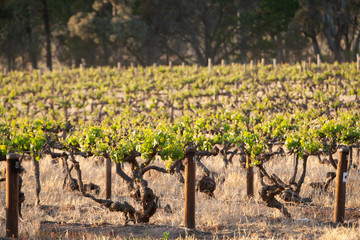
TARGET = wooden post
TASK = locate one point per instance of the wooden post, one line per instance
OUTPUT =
(251, 65)
(119, 66)
(209, 64)
(340, 190)
(262, 62)
(249, 178)
(190, 169)
(309, 62)
(108, 177)
(303, 65)
(357, 61)
(170, 65)
(318, 60)
(12, 194)
(274, 62)
(222, 62)
(244, 68)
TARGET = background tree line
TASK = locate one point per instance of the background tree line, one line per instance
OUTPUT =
(104, 32)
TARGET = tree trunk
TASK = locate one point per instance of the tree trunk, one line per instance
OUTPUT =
(335, 27)
(48, 34)
(31, 48)
(315, 46)
(356, 47)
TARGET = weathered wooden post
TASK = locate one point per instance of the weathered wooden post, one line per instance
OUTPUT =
(170, 65)
(303, 65)
(40, 73)
(274, 62)
(209, 64)
(119, 66)
(318, 60)
(190, 169)
(222, 62)
(12, 194)
(108, 177)
(340, 188)
(249, 178)
(309, 62)
(357, 62)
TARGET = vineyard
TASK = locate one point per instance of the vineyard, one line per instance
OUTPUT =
(266, 141)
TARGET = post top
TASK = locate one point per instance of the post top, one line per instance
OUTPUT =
(344, 150)
(190, 150)
(11, 156)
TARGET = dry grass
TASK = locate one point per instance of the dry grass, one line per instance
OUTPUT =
(228, 215)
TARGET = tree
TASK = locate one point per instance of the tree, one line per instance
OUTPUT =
(267, 26)
(309, 20)
(47, 34)
(19, 38)
(336, 21)
(208, 27)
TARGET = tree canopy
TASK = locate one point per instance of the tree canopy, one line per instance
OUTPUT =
(105, 32)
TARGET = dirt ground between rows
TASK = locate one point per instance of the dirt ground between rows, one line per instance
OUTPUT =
(148, 231)
(277, 228)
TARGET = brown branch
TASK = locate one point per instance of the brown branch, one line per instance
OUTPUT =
(73, 182)
(213, 152)
(293, 178)
(331, 159)
(232, 154)
(126, 208)
(174, 165)
(200, 164)
(268, 193)
(131, 158)
(150, 157)
(264, 173)
(302, 178)
(124, 176)
(37, 179)
(279, 181)
(159, 169)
